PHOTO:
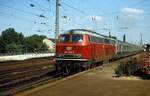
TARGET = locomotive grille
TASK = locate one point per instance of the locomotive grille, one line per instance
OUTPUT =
(68, 56)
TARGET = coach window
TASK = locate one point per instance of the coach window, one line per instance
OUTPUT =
(77, 38)
(100, 40)
(106, 41)
(92, 39)
(112, 42)
(96, 39)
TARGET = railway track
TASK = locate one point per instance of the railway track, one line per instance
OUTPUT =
(20, 75)
(27, 83)
(29, 75)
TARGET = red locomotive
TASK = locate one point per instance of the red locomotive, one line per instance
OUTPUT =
(80, 48)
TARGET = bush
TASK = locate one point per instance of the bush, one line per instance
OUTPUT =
(128, 68)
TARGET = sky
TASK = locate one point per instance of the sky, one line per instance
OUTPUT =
(129, 17)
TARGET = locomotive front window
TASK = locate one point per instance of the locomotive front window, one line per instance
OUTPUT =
(71, 38)
(64, 38)
(77, 38)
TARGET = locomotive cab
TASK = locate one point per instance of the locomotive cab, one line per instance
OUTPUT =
(73, 51)
(72, 47)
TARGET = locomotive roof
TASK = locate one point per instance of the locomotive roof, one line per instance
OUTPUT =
(93, 33)
(85, 31)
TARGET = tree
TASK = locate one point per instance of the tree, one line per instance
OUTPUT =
(2, 45)
(13, 48)
(10, 35)
(34, 43)
(11, 41)
(14, 42)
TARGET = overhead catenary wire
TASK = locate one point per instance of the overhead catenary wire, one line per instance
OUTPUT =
(81, 11)
(78, 10)
(41, 6)
(25, 19)
(69, 20)
(23, 11)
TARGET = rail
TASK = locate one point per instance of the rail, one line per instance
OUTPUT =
(21, 74)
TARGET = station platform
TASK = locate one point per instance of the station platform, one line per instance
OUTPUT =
(100, 81)
(24, 56)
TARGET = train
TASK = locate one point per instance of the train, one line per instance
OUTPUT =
(80, 49)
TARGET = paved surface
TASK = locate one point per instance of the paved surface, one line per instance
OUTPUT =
(100, 82)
